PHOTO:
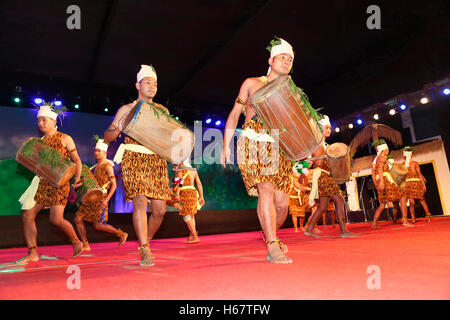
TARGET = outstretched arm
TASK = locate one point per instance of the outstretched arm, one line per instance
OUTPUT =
(200, 188)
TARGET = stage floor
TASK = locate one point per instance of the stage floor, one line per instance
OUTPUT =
(412, 263)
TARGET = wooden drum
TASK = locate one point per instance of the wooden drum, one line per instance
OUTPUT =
(281, 107)
(339, 161)
(46, 162)
(155, 129)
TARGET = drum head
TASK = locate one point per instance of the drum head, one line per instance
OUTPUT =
(266, 91)
(400, 168)
(337, 150)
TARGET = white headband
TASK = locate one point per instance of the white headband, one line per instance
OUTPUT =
(101, 145)
(146, 71)
(325, 121)
(283, 47)
(408, 155)
(46, 111)
(380, 148)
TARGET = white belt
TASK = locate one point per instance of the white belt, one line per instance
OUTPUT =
(251, 134)
(130, 147)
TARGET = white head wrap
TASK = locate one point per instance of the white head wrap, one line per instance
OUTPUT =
(380, 148)
(46, 111)
(408, 155)
(187, 163)
(101, 145)
(325, 121)
(146, 71)
(283, 47)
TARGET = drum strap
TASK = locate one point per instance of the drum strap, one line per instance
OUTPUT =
(27, 198)
(130, 147)
(389, 177)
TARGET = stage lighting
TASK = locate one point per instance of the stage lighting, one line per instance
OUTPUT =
(403, 107)
(208, 121)
(218, 122)
(58, 103)
(350, 126)
(77, 106)
(375, 116)
(424, 100)
(177, 118)
(359, 121)
(337, 129)
(16, 99)
(392, 112)
(38, 100)
(446, 91)
(106, 109)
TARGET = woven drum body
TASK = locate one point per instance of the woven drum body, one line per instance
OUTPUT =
(156, 131)
(282, 112)
(29, 155)
(398, 173)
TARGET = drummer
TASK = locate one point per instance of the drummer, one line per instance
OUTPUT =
(145, 175)
(388, 190)
(415, 185)
(46, 195)
(265, 176)
(324, 188)
(97, 213)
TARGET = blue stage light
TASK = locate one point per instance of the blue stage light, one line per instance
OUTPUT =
(218, 122)
(208, 121)
(38, 100)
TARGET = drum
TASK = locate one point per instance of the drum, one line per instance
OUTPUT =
(90, 192)
(156, 130)
(283, 107)
(46, 162)
(398, 173)
(339, 161)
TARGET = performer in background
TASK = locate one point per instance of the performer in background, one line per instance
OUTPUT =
(388, 190)
(265, 176)
(324, 188)
(190, 200)
(97, 213)
(145, 175)
(299, 193)
(415, 185)
(47, 195)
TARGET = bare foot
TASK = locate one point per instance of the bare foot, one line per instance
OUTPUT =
(32, 256)
(146, 254)
(276, 255)
(317, 230)
(407, 224)
(375, 226)
(193, 238)
(86, 246)
(77, 247)
(311, 234)
(428, 218)
(122, 237)
(348, 234)
(296, 230)
(283, 246)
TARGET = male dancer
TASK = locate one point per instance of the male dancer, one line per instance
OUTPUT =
(97, 213)
(324, 188)
(145, 175)
(266, 173)
(46, 195)
(415, 184)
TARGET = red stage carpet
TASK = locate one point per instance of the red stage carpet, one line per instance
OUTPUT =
(414, 263)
